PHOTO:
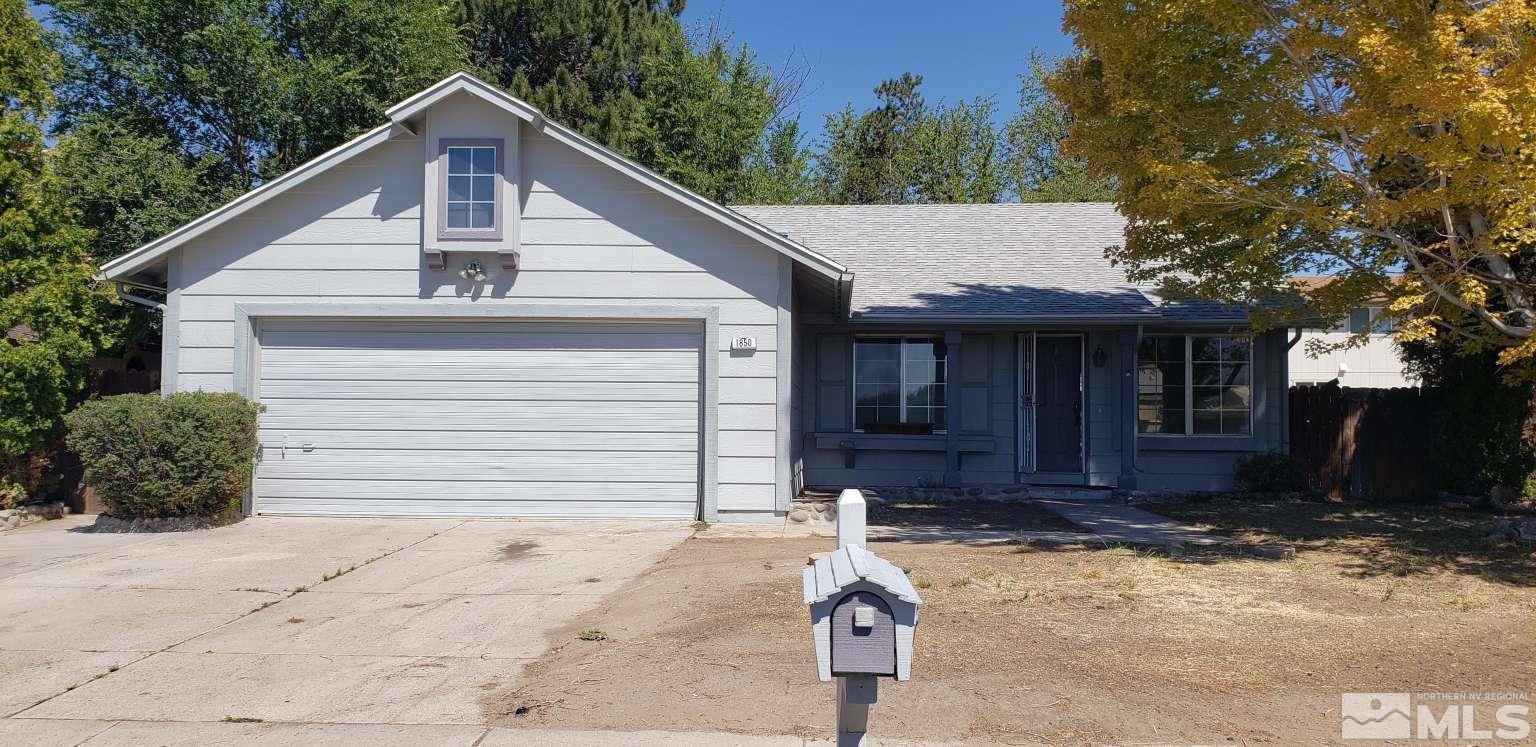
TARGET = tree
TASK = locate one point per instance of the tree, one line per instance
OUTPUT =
(1250, 140)
(704, 115)
(955, 155)
(780, 172)
(52, 315)
(626, 74)
(259, 86)
(865, 158)
(1036, 169)
(130, 188)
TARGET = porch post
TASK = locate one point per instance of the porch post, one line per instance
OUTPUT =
(1128, 414)
(952, 408)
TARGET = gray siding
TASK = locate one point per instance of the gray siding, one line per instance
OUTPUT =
(588, 235)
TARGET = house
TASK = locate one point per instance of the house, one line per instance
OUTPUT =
(1376, 363)
(474, 311)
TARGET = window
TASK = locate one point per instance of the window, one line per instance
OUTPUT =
(471, 189)
(898, 384)
(1195, 385)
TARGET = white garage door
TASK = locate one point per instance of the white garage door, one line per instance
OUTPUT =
(478, 418)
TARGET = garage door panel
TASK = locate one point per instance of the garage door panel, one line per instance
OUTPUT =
(473, 466)
(453, 507)
(645, 391)
(404, 491)
(492, 441)
(478, 418)
(393, 368)
(574, 343)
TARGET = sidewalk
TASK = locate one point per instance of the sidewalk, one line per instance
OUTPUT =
(98, 733)
(1118, 523)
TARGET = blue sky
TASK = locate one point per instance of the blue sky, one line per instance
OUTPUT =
(962, 48)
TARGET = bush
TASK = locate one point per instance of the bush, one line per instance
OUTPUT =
(147, 456)
(1269, 473)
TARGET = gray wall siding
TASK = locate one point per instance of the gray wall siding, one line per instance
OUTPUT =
(588, 236)
(985, 398)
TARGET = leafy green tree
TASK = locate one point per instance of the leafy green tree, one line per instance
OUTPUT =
(52, 315)
(866, 157)
(704, 116)
(626, 74)
(954, 154)
(780, 172)
(261, 86)
(131, 188)
(903, 150)
(1036, 169)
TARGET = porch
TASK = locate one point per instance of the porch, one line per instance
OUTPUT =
(1044, 405)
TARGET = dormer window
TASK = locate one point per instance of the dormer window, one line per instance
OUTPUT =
(471, 176)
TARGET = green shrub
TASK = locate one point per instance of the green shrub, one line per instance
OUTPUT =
(1272, 472)
(188, 454)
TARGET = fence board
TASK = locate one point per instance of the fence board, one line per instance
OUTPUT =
(1364, 443)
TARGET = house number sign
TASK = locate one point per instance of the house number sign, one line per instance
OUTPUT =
(744, 343)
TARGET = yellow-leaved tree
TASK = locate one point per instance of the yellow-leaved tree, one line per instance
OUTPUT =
(1389, 143)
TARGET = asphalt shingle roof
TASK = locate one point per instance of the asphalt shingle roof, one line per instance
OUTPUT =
(1042, 259)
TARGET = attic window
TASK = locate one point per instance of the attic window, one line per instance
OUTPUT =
(470, 189)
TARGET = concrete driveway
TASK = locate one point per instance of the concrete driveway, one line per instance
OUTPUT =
(248, 631)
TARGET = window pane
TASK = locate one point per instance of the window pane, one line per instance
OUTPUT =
(458, 160)
(458, 188)
(871, 395)
(1207, 397)
(484, 160)
(484, 189)
(458, 215)
(878, 362)
(1160, 385)
(1234, 423)
(867, 416)
(1236, 398)
(1359, 320)
(1208, 422)
(1234, 373)
(1205, 349)
(480, 215)
(1205, 374)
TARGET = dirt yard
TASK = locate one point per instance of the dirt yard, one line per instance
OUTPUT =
(1026, 644)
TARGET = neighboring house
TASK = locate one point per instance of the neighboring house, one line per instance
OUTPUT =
(1374, 364)
(474, 311)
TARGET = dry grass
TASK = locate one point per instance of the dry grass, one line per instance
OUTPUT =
(1020, 643)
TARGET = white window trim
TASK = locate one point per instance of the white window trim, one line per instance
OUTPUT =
(901, 383)
(498, 217)
(1189, 389)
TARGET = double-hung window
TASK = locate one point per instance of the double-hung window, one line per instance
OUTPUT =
(1195, 385)
(898, 384)
(471, 196)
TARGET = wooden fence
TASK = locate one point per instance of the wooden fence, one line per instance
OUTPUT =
(1364, 443)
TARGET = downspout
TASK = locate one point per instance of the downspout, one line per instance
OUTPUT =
(124, 295)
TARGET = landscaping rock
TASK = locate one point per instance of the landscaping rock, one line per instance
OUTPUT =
(32, 513)
(1272, 552)
(1510, 528)
(108, 524)
(821, 507)
(799, 515)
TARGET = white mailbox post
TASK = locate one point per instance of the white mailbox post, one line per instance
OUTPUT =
(863, 613)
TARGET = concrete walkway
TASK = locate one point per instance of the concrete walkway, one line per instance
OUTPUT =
(1117, 523)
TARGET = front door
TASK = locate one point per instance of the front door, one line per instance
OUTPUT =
(1058, 403)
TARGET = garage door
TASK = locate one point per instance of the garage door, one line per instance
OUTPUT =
(478, 418)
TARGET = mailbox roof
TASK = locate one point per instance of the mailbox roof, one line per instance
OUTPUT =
(849, 565)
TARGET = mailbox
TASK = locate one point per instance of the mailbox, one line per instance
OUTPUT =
(863, 612)
(863, 636)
